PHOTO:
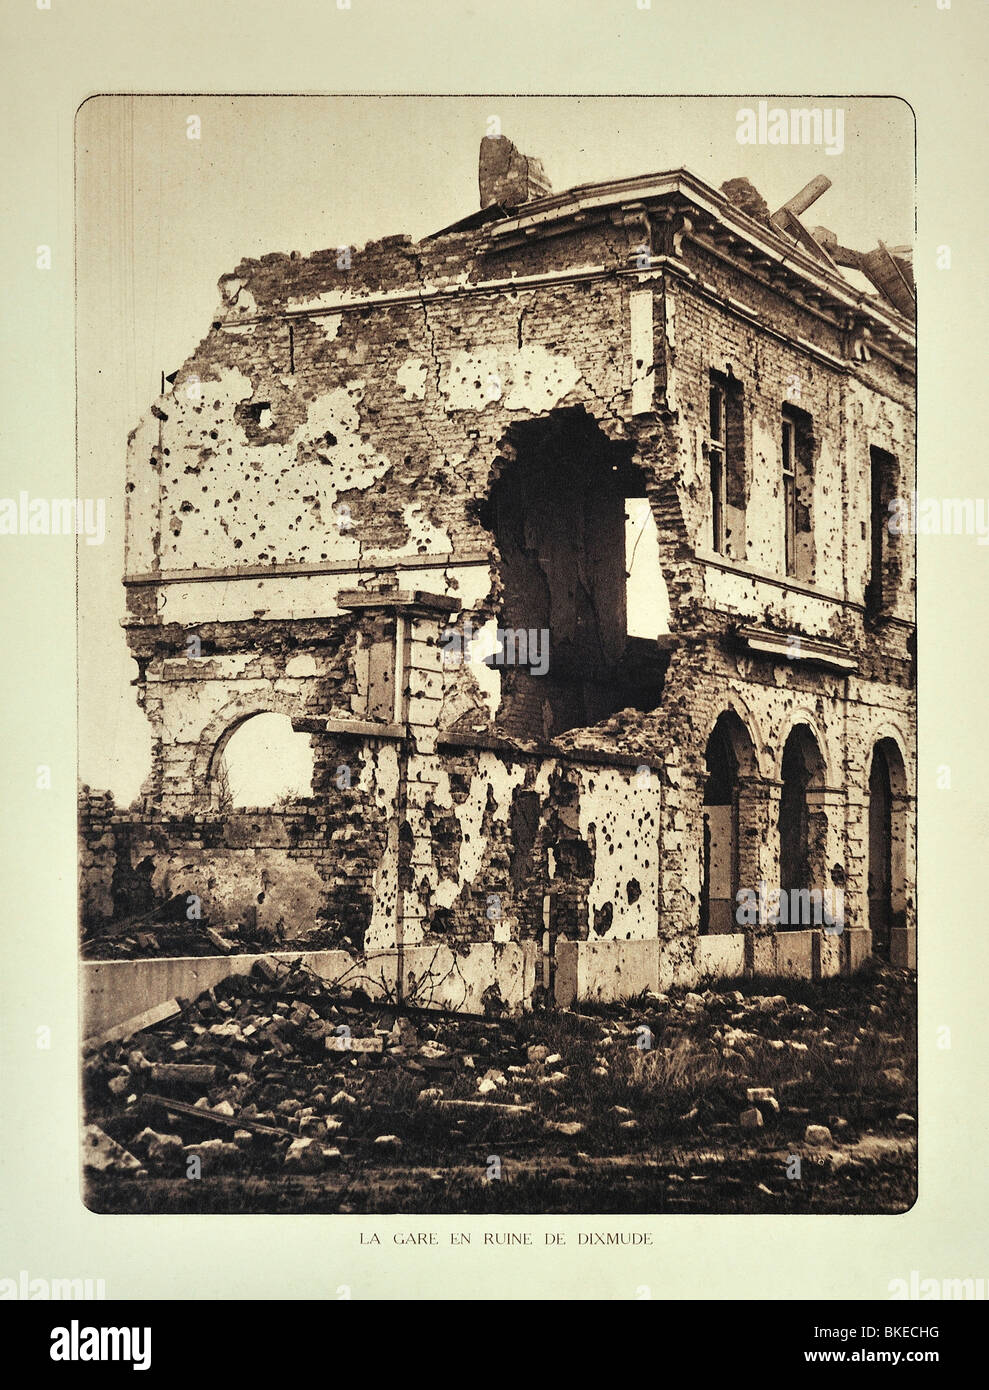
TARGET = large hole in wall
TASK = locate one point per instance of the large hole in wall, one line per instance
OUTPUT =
(261, 762)
(580, 573)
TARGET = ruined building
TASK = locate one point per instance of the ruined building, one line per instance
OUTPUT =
(560, 538)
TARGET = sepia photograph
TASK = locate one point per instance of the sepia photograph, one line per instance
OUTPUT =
(492, 552)
(497, 663)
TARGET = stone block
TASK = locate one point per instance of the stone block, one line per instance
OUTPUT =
(676, 965)
(856, 945)
(827, 954)
(720, 955)
(903, 947)
(763, 954)
(795, 954)
(604, 971)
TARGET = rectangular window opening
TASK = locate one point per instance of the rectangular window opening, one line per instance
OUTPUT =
(716, 462)
(884, 574)
(790, 494)
(797, 451)
(725, 447)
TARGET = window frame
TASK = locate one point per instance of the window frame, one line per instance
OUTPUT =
(883, 585)
(717, 454)
(788, 474)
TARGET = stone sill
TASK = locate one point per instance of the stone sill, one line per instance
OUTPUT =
(379, 561)
(807, 651)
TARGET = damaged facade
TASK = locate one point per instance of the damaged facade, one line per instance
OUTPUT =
(635, 445)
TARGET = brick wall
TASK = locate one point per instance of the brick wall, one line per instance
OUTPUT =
(257, 866)
(341, 427)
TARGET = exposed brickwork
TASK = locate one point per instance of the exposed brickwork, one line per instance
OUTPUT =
(232, 862)
(352, 423)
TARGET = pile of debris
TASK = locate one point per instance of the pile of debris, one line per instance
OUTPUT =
(259, 1073)
(282, 1072)
(166, 930)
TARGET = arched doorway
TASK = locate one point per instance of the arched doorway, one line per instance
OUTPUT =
(802, 770)
(887, 848)
(729, 758)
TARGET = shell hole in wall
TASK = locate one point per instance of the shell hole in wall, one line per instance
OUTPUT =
(564, 510)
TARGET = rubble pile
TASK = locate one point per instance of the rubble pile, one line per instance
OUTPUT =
(284, 1072)
(270, 1071)
(165, 933)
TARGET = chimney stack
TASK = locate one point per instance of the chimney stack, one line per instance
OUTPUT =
(508, 177)
(747, 198)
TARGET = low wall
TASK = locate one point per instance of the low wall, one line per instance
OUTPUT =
(259, 865)
(788, 954)
(720, 956)
(606, 971)
(436, 977)
(115, 990)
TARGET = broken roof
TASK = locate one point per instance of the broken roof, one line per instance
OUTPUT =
(878, 281)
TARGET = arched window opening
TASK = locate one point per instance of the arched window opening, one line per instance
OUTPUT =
(261, 762)
(887, 845)
(728, 755)
(802, 770)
